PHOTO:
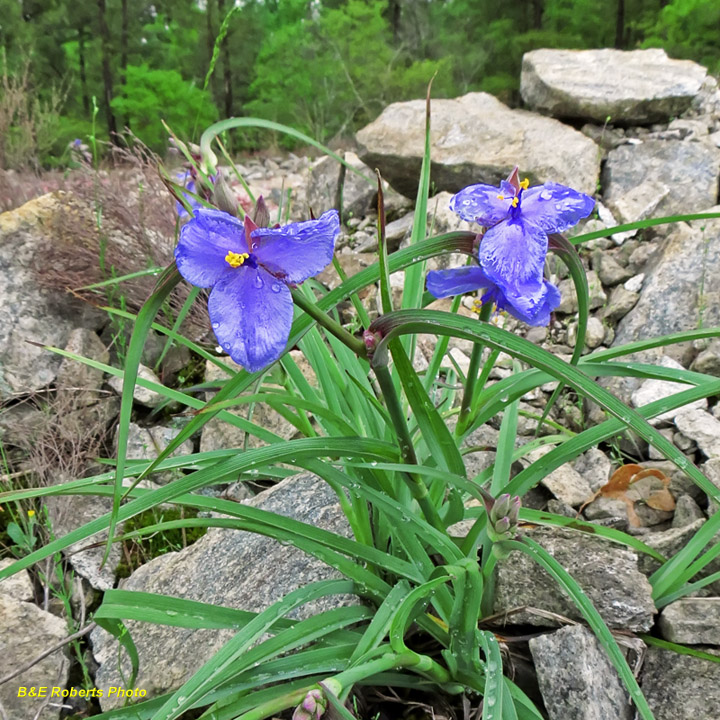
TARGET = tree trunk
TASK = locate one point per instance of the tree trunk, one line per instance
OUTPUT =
(538, 8)
(107, 72)
(124, 41)
(394, 10)
(210, 46)
(227, 73)
(83, 73)
(620, 25)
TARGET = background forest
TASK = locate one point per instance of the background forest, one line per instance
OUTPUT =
(324, 67)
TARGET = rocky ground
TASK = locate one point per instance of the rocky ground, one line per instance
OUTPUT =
(645, 139)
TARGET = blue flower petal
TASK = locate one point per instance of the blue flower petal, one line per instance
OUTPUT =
(481, 204)
(541, 314)
(512, 254)
(554, 207)
(456, 281)
(251, 313)
(297, 251)
(204, 242)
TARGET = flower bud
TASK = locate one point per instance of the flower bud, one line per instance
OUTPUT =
(312, 707)
(371, 340)
(503, 518)
(223, 197)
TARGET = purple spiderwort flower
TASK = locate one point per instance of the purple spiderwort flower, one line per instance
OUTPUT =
(249, 269)
(512, 250)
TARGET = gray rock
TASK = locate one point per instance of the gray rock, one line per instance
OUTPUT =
(18, 586)
(69, 512)
(543, 148)
(681, 289)
(681, 687)
(569, 303)
(638, 86)
(609, 269)
(25, 632)
(80, 379)
(595, 466)
(358, 195)
(29, 310)
(692, 621)
(569, 663)
(708, 361)
(225, 567)
(659, 177)
(141, 395)
(146, 443)
(565, 483)
(594, 335)
(635, 283)
(217, 434)
(687, 511)
(668, 543)
(652, 390)
(702, 427)
(606, 572)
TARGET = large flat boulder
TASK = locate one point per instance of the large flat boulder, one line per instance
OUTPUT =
(629, 87)
(225, 567)
(475, 138)
(29, 310)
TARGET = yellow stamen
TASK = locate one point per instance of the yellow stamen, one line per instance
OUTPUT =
(514, 202)
(235, 260)
(476, 306)
(525, 184)
(500, 197)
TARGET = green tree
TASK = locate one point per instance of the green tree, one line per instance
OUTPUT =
(149, 96)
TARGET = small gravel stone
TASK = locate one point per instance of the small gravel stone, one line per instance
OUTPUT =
(621, 302)
(703, 428)
(652, 390)
(635, 283)
(141, 395)
(687, 511)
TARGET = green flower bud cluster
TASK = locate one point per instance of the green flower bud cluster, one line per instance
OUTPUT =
(503, 518)
(312, 707)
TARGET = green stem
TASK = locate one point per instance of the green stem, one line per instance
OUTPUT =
(355, 344)
(395, 661)
(472, 375)
(407, 451)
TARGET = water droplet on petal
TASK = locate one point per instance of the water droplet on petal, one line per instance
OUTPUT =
(258, 281)
(254, 246)
(545, 195)
(558, 206)
(276, 287)
(226, 346)
(216, 325)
